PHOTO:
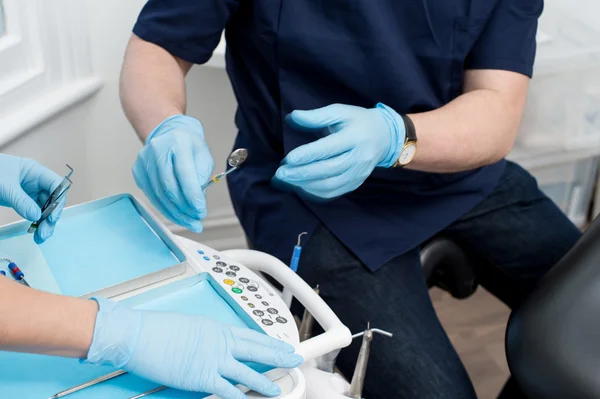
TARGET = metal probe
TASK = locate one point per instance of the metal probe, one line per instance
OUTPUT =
(89, 384)
(306, 326)
(148, 393)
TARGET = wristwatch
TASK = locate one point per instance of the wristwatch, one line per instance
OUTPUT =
(410, 144)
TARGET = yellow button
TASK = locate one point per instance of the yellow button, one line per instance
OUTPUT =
(229, 282)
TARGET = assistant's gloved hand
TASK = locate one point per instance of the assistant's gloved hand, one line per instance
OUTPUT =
(171, 169)
(359, 140)
(190, 353)
(25, 185)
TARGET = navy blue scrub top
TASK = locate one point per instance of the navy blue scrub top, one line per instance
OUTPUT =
(284, 55)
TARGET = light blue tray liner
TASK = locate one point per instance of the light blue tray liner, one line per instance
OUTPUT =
(27, 376)
(94, 246)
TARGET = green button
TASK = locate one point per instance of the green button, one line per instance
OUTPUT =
(236, 290)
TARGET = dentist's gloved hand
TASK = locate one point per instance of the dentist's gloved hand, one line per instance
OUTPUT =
(171, 169)
(190, 353)
(25, 185)
(359, 140)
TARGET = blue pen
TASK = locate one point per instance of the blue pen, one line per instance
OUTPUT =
(296, 255)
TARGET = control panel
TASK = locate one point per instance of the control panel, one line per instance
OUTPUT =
(248, 289)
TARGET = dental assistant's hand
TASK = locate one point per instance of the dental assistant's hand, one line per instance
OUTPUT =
(359, 140)
(185, 352)
(171, 169)
(25, 185)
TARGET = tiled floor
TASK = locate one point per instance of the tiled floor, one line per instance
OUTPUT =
(476, 327)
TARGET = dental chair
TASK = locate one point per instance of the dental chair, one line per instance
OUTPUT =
(447, 266)
(553, 339)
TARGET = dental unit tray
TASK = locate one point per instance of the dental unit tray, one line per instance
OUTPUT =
(115, 248)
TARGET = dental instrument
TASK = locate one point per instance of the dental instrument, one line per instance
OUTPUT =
(88, 384)
(360, 371)
(235, 160)
(148, 393)
(287, 296)
(17, 273)
(306, 326)
(296, 254)
(53, 200)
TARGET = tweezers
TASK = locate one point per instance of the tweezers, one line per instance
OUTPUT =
(54, 200)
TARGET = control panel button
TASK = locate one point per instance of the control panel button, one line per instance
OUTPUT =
(217, 270)
(229, 282)
(267, 322)
(253, 283)
(231, 274)
(259, 313)
(265, 303)
(206, 258)
(244, 298)
(217, 257)
(273, 311)
(234, 268)
(243, 280)
(251, 306)
(221, 264)
(236, 290)
(281, 320)
(201, 252)
(258, 296)
(252, 288)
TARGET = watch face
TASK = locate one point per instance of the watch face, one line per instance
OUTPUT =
(407, 154)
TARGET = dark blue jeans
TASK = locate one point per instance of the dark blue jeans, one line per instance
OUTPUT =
(517, 232)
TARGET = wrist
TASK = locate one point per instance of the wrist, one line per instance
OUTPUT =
(397, 134)
(174, 122)
(115, 334)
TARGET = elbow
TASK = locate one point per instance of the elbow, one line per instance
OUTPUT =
(503, 149)
(505, 141)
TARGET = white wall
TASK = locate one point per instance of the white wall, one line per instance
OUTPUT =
(95, 138)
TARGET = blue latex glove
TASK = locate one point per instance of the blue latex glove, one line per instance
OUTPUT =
(185, 352)
(171, 169)
(358, 140)
(25, 185)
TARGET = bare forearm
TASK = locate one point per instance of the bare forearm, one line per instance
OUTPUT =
(38, 322)
(152, 85)
(476, 129)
